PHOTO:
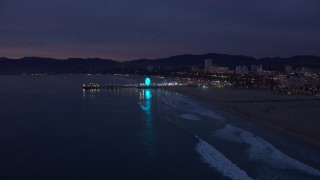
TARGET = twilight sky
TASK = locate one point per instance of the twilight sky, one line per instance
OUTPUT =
(129, 29)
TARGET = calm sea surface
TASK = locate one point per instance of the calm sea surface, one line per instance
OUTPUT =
(51, 129)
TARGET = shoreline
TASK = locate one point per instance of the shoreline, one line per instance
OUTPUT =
(294, 115)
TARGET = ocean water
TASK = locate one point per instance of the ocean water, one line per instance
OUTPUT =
(51, 129)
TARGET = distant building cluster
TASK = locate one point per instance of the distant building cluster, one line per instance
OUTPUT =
(290, 80)
(299, 80)
(210, 68)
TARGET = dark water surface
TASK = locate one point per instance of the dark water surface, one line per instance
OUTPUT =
(51, 129)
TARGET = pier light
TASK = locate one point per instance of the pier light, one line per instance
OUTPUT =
(147, 81)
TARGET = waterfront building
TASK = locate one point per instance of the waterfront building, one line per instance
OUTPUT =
(256, 69)
(241, 70)
(219, 70)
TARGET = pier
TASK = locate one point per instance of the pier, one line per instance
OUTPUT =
(146, 85)
(93, 86)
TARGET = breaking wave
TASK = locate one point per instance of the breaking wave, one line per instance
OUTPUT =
(190, 116)
(184, 104)
(262, 151)
(218, 161)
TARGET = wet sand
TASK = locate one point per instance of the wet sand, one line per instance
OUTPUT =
(296, 115)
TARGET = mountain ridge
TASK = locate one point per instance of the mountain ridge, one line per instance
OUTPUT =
(27, 65)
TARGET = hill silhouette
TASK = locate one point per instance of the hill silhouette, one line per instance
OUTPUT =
(33, 65)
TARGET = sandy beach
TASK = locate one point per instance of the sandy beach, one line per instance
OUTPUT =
(296, 115)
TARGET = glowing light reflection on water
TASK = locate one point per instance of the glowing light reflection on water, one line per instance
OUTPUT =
(148, 133)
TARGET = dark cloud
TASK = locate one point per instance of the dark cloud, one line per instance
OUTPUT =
(153, 28)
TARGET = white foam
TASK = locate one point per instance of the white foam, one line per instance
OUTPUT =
(190, 116)
(218, 161)
(262, 151)
(183, 103)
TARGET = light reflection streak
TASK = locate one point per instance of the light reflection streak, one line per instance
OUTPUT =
(148, 134)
